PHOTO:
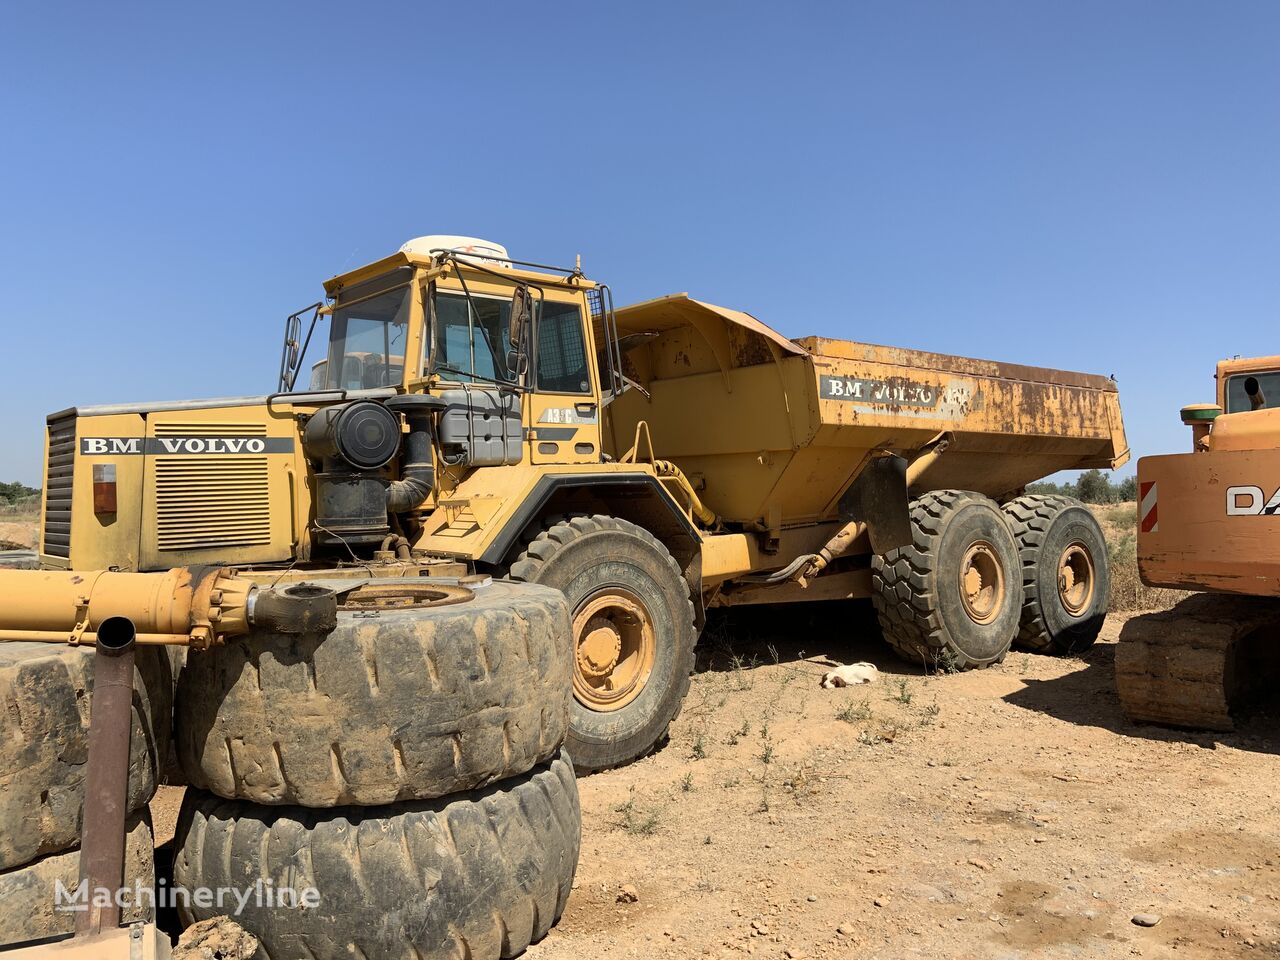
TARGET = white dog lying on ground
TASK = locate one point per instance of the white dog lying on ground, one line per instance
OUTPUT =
(851, 675)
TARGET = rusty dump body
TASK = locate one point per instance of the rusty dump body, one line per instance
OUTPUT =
(1209, 521)
(772, 431)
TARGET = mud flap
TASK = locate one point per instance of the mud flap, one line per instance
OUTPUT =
(879, 498)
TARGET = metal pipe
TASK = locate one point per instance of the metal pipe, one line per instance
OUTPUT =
(1253, 389)
(418, 471)
(106, 781)
(179, 603)
(850, 532)
(91, 637)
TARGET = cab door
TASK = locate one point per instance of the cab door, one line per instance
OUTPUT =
(562, 412)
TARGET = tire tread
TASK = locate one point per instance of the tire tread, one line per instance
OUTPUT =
(480, 874)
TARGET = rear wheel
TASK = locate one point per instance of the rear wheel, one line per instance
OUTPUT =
(1065, 580)
(633, 633)
(951, 598)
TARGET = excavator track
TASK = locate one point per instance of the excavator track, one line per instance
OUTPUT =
(1192, 665)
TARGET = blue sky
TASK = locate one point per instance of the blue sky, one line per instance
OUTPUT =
(1084, 185)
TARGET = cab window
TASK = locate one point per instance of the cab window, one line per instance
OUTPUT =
(1238, 399)
(562, 352)
(471, 344)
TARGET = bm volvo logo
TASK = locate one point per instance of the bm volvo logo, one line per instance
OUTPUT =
(182, 446)
(1248, 501)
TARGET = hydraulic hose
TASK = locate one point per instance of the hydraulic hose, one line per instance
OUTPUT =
(667, 469)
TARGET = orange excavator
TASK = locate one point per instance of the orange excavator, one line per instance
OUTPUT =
(1209, 521)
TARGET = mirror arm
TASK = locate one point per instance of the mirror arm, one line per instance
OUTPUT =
(290, 360)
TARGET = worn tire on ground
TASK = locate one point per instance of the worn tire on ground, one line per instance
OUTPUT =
(916, 590)
(405, 704)
(478, 875)
(45, 693)
(29, 893)
(1046, 528)
(586, 557)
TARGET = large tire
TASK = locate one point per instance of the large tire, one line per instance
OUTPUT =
(480, 875)
(29, 893)
(617, 577)
(45, 694)
(401, 705)
(1065, 580)
(961, 542)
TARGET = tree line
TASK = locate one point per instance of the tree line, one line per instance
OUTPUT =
(1092, 486)
(14, 493)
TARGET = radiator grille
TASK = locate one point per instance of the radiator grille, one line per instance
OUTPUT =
(58, 486)
(206, 502)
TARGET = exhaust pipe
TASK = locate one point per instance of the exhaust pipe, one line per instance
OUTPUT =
(107, 779)
(1253, 389)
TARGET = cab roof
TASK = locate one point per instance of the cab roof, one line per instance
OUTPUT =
(516, 270)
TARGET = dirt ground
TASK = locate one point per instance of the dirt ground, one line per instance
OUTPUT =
(17, 533)
(1010, 812)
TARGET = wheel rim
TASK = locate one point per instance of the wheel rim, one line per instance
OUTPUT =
(614, 649)
(981, 582)
(1076, 578)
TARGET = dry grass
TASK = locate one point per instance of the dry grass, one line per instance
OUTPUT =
(1119, 523)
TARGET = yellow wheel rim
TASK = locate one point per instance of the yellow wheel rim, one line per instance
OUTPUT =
(614, 649)
(1076, 578)
(981, 582)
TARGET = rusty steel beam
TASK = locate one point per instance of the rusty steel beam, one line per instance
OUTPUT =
(107, 778)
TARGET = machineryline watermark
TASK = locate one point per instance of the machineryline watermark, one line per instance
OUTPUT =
(262, 894)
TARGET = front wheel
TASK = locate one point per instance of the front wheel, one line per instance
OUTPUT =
(633, 633)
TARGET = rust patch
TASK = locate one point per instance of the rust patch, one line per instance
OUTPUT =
(747, 348)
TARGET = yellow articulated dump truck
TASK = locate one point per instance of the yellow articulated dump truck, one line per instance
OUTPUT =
(469, 555)
(1209, 521)
(475, 415)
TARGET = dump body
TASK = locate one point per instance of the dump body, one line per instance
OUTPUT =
(773, 431)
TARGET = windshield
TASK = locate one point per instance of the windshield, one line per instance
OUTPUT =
(367, 339)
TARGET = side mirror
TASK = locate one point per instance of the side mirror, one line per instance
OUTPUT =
(521, 312)
(292, 343)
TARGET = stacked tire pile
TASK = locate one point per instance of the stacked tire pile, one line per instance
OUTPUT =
(45, 695)
(402, 776)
